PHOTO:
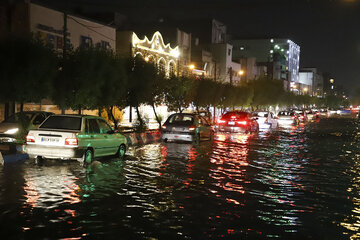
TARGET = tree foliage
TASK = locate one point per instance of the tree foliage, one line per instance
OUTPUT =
(27, 70)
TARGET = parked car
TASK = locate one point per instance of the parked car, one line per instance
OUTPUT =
(187, 127)
(288, 118)
(265, 119)
(302, 115)
(313, 114)
(237, 122)
(79, 137)
(19, 123)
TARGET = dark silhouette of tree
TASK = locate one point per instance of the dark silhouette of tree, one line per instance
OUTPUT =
(27, 70)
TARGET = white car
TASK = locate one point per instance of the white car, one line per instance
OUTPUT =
(12, 127)
(78, 137)
(266, 120)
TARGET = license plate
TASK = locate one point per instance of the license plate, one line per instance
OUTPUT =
(231, 123)
(52, 140)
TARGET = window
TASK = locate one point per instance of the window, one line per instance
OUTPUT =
(181, 118)
(92, 126)
(104, 127)
(171, 69)
(85, 41)
(162, 66)
(62, 122)
(229, 52)
(39, 119)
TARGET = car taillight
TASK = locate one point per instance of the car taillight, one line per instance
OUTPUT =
(302, 117)
(30, 138)
(71, 141)
(293, 117)
(233, 117)
(317, 113)
(191, 128)
(242, 122)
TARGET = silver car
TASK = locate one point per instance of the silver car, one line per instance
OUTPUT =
(79, 137)
(186, 127)
(19, 123)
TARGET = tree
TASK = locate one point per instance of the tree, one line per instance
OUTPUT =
(141, 76)
(27, 70)
(177, 96)
(89, 79)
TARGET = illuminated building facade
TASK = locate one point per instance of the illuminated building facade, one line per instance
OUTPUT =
(152, 50)
(281, 57)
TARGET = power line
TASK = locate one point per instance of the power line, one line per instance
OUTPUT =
(90, 28)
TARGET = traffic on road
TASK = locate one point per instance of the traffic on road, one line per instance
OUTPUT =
(289, 181)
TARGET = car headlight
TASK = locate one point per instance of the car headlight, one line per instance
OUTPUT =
(12, 131)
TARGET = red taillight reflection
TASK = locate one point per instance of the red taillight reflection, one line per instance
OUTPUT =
(242, 122)
(30, 138)
(71, 141)
(302, 117)
(233, 117)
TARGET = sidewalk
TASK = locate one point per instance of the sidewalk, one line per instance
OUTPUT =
(142, 138)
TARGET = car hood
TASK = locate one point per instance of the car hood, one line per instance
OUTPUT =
(6, 126)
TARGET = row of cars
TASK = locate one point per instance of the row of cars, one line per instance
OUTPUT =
(84, 138)
(194, 127)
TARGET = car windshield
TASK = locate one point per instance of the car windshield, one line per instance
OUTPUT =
(237, 115)
(62, 122)
(181, 118)
(15, 117)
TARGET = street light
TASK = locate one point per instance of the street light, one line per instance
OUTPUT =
(192, 66)
(241, 72)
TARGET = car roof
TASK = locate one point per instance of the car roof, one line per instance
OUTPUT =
(77, 115)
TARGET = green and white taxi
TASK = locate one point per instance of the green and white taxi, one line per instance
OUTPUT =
(79, 137)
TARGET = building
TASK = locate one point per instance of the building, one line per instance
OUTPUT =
(312, 81)
(151, 49)
(29, 19)
(281, 57)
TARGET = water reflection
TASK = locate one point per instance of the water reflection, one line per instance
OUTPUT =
(294, 183)
(52, 187)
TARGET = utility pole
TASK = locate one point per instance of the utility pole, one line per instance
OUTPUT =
(64, 49)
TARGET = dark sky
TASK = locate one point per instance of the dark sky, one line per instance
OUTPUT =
(328, 31)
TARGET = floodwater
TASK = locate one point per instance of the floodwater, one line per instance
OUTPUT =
(293, 183)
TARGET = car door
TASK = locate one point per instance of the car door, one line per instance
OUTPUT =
(93, 137)
(205, 126)
(110, 141)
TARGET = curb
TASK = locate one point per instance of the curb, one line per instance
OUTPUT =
(142, 138)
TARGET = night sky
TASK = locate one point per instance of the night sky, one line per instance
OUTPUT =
(328, 31)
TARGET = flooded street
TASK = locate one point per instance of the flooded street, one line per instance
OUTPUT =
(293, 183)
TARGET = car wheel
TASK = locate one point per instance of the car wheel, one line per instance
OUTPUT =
(88, 157)
(39, 160)
(121, 151)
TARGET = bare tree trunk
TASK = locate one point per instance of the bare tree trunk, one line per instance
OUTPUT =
(22, 106)
(139, 116)
(156, 116)
(111, 114)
